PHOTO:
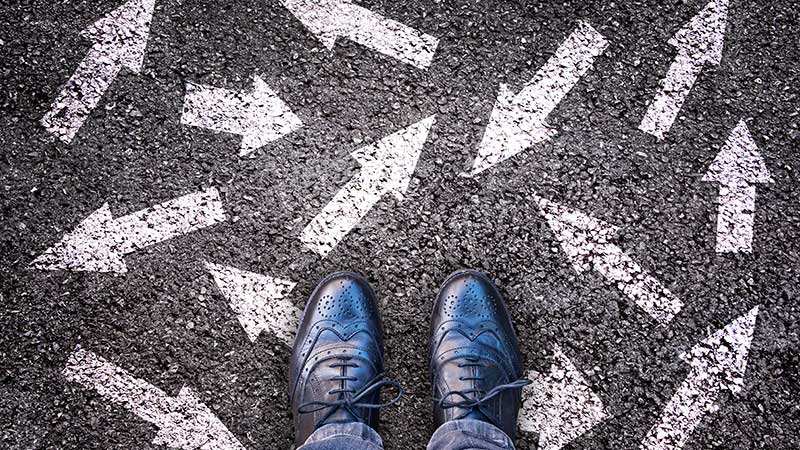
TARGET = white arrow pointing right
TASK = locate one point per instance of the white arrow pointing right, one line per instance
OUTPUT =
(259, 116)
(718, 362)
(120, 40)
(559, 405)
(736, 168)
(699, 43)
(183, 422)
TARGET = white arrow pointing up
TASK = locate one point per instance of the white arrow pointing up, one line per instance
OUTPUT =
(100, 242)
(736, 168)
(183, 422)
(386, 166)
(717, 363)
(559, 405)
(699, 43)
(120, 40)
(587, 243)
(259, 116)
(519, 121)
(258, 301)
(330, 19)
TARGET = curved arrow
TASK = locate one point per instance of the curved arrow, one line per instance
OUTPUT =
(120, 40)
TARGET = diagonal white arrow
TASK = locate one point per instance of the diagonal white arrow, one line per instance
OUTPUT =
(259, 116)
(386, 167)
(519, 121)
(700, 42)
(587, 242)
(718, 362)
(258, 301)
(559, 405)
(736, 168)
(183, 422)
(100, 242)
(330, 19)
(119, 39)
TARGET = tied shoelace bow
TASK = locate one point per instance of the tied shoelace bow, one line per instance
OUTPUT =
(468, 403)
(350, 399)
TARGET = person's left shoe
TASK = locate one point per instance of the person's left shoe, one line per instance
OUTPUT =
(336, 371)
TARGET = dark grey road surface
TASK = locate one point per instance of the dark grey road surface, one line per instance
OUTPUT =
(165, 322)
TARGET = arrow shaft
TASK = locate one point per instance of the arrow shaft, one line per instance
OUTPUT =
(675, 88)
(169, 219)
(387, 36)
(735, 218)
(345, 211)
(216, 109)
(81, 93)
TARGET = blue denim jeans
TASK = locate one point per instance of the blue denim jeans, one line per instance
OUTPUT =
(453, 435)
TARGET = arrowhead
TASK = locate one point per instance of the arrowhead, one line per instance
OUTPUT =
(192, 425)
(267, 118)
(92, 247)
(739, 161)
(258, 301)
(511, 130)
(704, 36)
(581, 236)
(390, 162)
(124, 32)
(321, 17)
(559, 405)
(723, 355)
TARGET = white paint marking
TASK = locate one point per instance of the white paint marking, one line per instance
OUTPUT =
(100, 242)
(119, 39)
(519, 121)
(736, 168)
(386, 166)
(183, 422)
(258, 301)
(330, 19)
(699, 42)
(587, 243)
(719, 362)
(559, 405)
(259, 116)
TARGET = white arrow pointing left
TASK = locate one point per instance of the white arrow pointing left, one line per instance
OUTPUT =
(183, 422)
(258, 301)
(559, 405)
(587, 242)
(119, 39)
(736, 168)
(259, 116)
(100, 242)
(386, 167)
(718, 362)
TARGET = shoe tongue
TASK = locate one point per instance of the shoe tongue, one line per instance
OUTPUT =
(336, 365)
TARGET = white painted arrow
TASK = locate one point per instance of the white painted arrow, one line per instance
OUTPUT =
(699, 43)
(330, 19)
(386, 166)
(100, 242)
(719, 362)
(559, 405)
(519, 121)
(587, 243)
(119, 39)
(183, 422)
(258, 301)
(736, 168)
(259, 116)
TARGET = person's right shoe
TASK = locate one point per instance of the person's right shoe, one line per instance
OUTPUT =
(476, 366)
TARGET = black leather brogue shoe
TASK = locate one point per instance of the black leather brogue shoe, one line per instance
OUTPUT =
(336, 371)
(476, 366)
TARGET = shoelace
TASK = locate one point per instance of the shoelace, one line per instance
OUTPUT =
(470, 404)
(350, 399)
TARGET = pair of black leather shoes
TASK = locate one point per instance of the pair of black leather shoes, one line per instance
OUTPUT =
(336, 371)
